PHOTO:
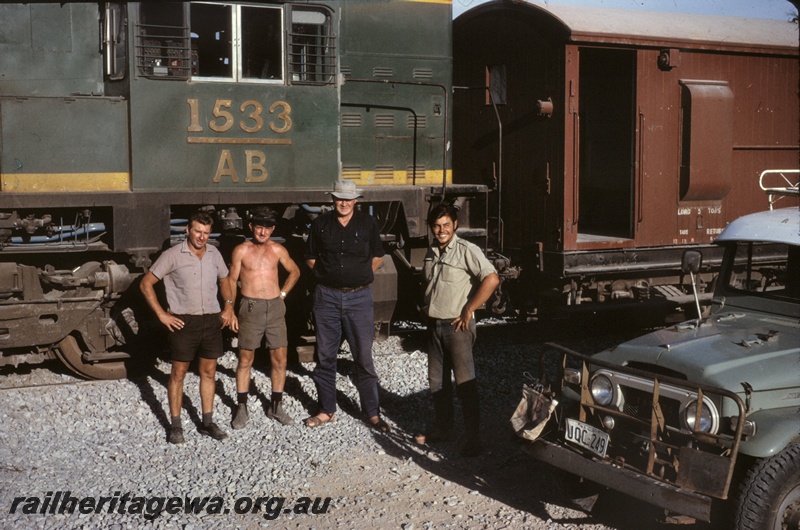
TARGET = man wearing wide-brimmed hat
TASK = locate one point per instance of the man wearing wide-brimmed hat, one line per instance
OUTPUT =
(344, 250)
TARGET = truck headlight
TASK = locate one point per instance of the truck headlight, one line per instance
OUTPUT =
(602, 390)
(708, 419)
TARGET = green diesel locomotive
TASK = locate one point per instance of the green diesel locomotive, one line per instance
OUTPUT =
(119, 119)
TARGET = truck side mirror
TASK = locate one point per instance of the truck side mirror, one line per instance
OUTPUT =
(692, 261)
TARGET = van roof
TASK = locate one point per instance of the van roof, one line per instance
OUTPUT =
(654, 28)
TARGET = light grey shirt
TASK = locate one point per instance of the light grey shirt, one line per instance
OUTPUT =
(451, 275)
(190, 282)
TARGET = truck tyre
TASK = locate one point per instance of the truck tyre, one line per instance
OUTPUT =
(769, 495)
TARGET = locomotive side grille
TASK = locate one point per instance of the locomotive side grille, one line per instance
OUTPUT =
(416, 172)
(384, 173)
(351, 120)
(422, 73)
(384, 120)
(422, 121)
(351, 171)
(346, 71)
(382, 71)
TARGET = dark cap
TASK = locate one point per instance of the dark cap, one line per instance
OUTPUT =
(263, 216)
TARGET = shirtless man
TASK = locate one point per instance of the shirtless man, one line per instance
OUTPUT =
(261, 311)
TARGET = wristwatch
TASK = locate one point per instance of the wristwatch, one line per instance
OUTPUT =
(283, 294)
(229, 301)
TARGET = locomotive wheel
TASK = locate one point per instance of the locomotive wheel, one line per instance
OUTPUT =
(71, 355)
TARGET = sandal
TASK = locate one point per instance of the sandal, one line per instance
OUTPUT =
(316, 421)
(380, 425)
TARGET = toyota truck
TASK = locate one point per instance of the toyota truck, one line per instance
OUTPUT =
(701, 418)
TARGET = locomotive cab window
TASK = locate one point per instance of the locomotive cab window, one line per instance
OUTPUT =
(162, 40)
(220, 42)
(238, 43)
(312, 57)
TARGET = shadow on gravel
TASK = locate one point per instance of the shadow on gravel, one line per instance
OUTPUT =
(504, 472)
(160, 409)
(293, 387)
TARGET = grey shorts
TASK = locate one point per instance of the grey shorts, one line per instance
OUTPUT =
(260, 318)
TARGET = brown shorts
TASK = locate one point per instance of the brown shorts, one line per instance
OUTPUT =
(260, 318)
(201, 335)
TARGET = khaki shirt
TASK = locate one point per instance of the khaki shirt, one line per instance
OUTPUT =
(451, 275)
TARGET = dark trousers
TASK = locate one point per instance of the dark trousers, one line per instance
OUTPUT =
(450, 352)
(340, 315)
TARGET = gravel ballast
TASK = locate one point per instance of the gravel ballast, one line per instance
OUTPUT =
(107, 439)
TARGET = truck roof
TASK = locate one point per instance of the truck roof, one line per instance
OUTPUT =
(772, 226)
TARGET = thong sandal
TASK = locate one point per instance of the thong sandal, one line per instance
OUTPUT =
(316, 421)
(380, 425)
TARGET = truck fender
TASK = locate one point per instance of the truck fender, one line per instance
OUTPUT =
(775, 429)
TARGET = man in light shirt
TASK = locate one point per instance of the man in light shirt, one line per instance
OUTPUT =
(191, 272)
(459, 279)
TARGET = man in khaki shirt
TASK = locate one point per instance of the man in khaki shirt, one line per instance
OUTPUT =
(459, 279)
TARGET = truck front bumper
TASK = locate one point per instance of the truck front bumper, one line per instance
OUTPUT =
(632, 483)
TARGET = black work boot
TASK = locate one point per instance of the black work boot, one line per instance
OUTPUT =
(443, 409)
(443, 416)
(470, 406)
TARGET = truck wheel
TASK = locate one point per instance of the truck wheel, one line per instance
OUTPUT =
(769, 495)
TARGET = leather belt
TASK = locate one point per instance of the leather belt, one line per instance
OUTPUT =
(348, 289)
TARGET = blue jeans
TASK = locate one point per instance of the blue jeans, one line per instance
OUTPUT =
(340, 315)
(450, 351)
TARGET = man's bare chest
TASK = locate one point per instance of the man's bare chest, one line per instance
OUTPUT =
(260, 260)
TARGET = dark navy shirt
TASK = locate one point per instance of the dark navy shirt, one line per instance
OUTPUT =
(344, 254)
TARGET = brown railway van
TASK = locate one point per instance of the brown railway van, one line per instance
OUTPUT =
(616, 139)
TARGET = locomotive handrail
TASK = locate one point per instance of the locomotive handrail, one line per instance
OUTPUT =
(446, 114)
(776, 193)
